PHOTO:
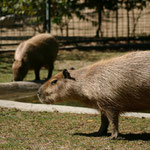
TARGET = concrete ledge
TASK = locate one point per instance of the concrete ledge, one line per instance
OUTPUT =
(58, 108)
(48, 108)
(138, 115)
(20, 89)
(19, 86)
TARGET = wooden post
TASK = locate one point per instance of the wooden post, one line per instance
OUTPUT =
(48, 16)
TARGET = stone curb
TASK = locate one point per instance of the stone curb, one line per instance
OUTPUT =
(57, 108)
(48, 108)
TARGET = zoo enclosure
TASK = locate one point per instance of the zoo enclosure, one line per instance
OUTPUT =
(79, 22)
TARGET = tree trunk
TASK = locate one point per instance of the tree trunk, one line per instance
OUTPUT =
(99, 30)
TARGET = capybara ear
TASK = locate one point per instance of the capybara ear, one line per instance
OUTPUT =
(67, 74)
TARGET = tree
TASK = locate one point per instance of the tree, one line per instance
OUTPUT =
(23, 9)
(62, 12)
(130, 5)
(99, 6)
(60, 9)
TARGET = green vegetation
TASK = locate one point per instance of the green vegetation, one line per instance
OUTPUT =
(5, 67)
(65, 59)
(61, 9)
(53, 131)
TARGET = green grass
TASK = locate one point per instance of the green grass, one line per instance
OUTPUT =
(87, 55)
(65, 59)
(56, 131)
(5, 67)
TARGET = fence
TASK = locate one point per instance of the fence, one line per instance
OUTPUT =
(120, 25)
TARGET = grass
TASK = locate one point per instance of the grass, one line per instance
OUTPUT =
(65, 59)
(56, 131)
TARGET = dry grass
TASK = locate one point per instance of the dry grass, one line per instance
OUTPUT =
(55, 131)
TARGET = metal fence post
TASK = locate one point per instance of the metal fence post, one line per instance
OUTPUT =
(48, 16)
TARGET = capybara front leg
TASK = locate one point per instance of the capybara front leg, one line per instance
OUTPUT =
(50, 70)
(113, 119)
(37, 73)
(104, 125)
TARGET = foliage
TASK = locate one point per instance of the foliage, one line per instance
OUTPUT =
(63, 8)
(135, 4)
(62, 11)
(22, 7)
(113, 5)
(25, 8)
(30, 8)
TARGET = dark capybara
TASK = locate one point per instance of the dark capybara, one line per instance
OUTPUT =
(112, 86)
(39, 51)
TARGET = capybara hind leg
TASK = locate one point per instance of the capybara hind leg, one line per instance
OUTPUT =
(104, 125)
(113, 119)
(37, 73)
(50, 70)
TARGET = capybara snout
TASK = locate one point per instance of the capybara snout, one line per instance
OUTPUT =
(19, 70)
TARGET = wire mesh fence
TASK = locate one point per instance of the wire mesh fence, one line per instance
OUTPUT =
(121, 23)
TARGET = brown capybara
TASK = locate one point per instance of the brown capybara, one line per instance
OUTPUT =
(38, 51)
(112, 86)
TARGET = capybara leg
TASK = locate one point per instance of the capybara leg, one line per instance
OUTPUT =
(50, 70)
(37, 73)
(104, 125)
(113, 119)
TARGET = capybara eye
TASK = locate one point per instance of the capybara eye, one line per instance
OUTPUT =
(53, 82)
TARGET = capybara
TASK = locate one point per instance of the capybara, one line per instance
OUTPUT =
(38, 51)
(112, 86)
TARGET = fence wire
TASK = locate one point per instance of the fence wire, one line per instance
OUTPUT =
(115, 24)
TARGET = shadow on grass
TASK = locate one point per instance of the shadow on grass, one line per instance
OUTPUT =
(129, 137)
(134, 136)
(94, 134)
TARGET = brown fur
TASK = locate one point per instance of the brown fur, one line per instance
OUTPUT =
(39, 51)
(113, 86)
